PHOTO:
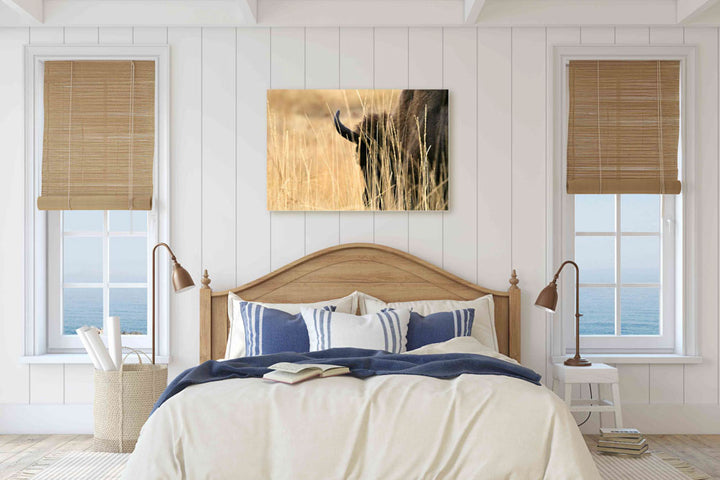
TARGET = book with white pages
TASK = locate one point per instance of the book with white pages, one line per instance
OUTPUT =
(291, 373)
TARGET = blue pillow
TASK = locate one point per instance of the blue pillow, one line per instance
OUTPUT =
(439, 327)
(273, 331)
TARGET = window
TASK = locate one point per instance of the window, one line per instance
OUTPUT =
(625, 247)
(630, 246)
(89, 241)
(98, 267)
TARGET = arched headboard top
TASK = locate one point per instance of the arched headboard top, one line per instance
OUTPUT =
(380, 271)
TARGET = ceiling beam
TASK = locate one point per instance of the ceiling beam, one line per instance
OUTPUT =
(689, 10)
(29, 9)
(472, 10)
(249, 10)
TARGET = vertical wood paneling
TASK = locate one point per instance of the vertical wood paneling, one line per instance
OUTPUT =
(253, 80)
(322, 70)
(186, 160)
(528, 193)
(499, 115)
(460, 221)
(218, 156)
(79, 384)
(634, 383)
(287, 71)
(425, 70)
(632, 35)
(665, 384)
(701, 381)
(597, 35)
(555, 143)
(494, 145)
(40, 35)
(110, 35)
(82, 35)
(391, 71)
(150, 35)
(666, 35)
(356, 71)
(46, 384)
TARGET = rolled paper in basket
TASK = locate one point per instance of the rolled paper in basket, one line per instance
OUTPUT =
(98, 347)
(81, 334)
(114, 341)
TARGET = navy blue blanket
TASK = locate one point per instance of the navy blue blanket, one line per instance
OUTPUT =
(363, 363)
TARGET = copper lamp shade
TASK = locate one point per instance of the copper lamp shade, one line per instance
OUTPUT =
(547, 300)
(181, 280)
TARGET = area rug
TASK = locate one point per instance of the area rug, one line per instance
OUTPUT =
(76, 466)
(650, 466)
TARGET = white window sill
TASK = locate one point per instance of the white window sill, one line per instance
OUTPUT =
(641, 358)
(79, 359)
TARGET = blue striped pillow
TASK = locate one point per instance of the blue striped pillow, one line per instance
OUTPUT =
(273, 331)
(439, 327)
(378, 331)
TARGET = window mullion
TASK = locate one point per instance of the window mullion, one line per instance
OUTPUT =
(618, 273)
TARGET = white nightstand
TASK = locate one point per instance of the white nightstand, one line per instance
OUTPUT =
(597, 373)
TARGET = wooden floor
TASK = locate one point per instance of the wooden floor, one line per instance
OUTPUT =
(17, 452)
(701, 451)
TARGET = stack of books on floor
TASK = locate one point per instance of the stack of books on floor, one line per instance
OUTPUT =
(622, 441)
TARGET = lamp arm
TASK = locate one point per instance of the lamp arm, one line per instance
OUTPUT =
(577, 284)
(172, 256)
(163, 244)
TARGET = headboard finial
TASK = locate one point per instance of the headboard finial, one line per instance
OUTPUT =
(205, 279)
(514, 280)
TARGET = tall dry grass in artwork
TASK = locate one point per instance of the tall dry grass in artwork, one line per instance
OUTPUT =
(311, 167)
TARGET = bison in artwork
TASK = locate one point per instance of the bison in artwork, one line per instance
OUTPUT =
(403, 154)
(355, 150)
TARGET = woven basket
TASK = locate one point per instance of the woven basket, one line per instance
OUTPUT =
(123, 401)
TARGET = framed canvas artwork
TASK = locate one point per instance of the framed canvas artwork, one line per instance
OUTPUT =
(357, 150)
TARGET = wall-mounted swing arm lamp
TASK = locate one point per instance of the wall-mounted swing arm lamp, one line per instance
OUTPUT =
(181, 281)
(547, 300)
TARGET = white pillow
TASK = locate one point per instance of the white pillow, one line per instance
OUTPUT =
(378, 331)
(236, 337)
(483, 326)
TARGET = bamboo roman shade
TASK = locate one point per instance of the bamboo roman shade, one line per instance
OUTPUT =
(99, 135)
(623, 127)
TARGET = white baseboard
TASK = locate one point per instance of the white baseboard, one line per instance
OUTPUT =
(39, 419)
(662, 419)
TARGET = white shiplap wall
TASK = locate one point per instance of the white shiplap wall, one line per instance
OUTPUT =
(500, 157)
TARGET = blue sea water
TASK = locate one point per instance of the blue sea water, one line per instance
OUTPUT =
(84, 306)
(639, 306)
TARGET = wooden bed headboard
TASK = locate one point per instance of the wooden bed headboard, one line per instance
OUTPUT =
(383, 272)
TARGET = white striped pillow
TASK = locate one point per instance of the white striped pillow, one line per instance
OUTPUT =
(378, 331)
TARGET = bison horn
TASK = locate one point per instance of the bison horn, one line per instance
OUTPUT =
(343, 130)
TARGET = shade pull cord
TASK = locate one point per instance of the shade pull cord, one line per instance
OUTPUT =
(70, 137)
(132, 134)
(600, 171)
(660, 130)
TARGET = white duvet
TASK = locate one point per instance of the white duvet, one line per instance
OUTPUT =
(385, 427)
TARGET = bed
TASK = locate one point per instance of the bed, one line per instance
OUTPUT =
(390, 426)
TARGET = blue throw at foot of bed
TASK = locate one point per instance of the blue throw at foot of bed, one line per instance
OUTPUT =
(363, 363)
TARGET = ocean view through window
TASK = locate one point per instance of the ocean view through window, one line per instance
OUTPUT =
(618, 246)
(104, 269)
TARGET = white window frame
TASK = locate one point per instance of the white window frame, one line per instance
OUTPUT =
(678, 264)
(665, 341)
(57, 341)
(38, 223)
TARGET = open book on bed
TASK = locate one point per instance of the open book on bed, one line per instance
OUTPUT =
(287, 372)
